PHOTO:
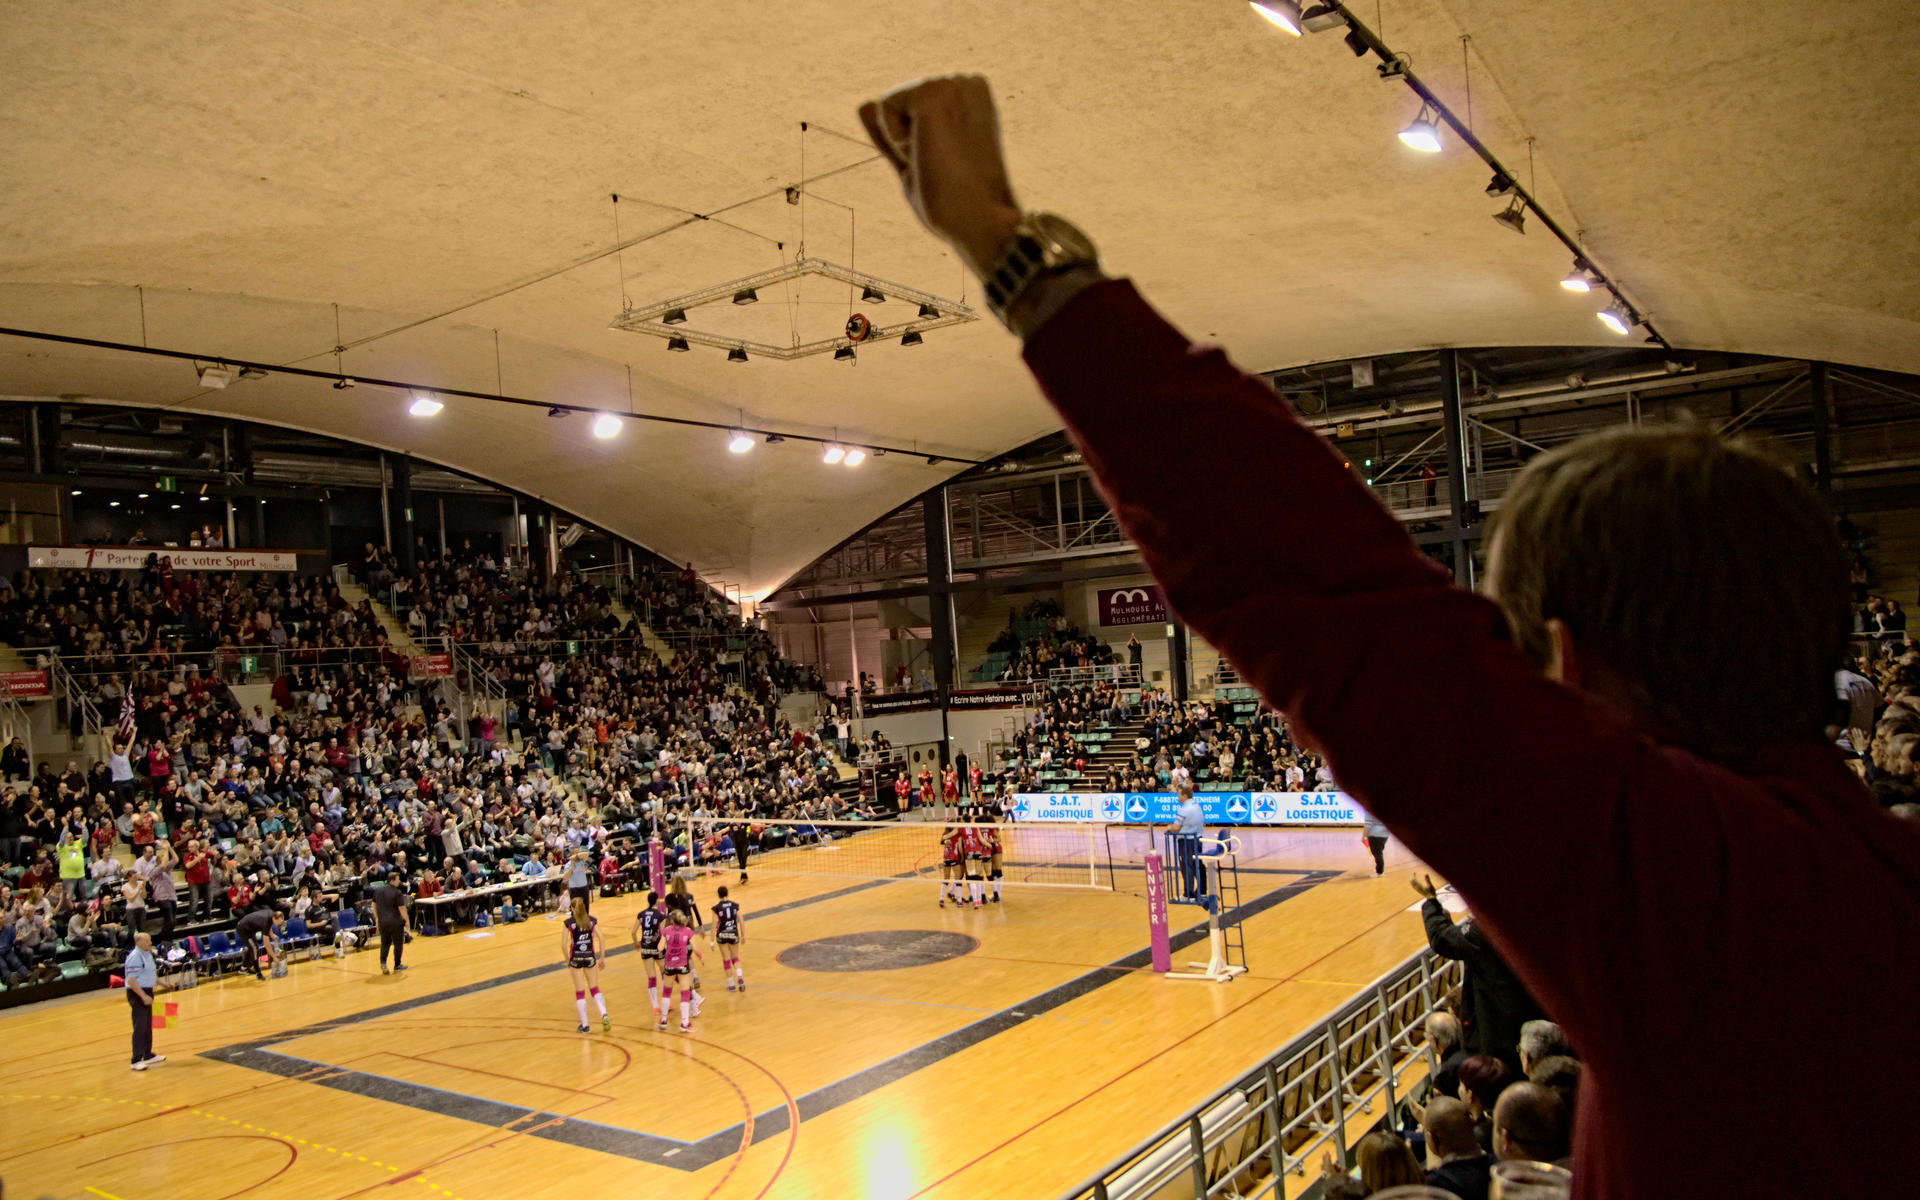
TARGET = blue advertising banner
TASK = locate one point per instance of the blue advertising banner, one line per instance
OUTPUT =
(1221, 808)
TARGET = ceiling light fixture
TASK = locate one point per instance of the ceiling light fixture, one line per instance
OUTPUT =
(1422, 135)
(736, 355)
(1499, 185)
(674, 316)
(1356, 43)
(740, 443)
(845, 354)
(929, 313)
(557, 412)
(1284, 14)
(678, 345)
(113, 504)
(774, 439)
(75, 492)
(252, 373)
(1579, 280)
(173, 506)
(855, 457)
(606, 425)
(143, 495)
(872, 295)
(933, 460)
(1513, 216)
(424, 406)
(911, 338)
(204, 497)
(1617, 317)
(217, 376)
(746, 296)
(342, 384)
(1322, 17)
(832, 454)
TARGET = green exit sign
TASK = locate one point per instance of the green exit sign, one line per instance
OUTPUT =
(573, 649)
(249, 664)
(168, 483)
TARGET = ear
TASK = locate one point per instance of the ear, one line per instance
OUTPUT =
(1563, 658)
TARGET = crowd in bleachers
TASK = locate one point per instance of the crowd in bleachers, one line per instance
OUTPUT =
(1037, 641)
(207, 811)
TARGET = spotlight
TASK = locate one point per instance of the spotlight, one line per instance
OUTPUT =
(1283, 13)
(736, 355)
(879, 453)
(1356, 43)
(676, 316)
(1422, 135)
(1579, 280)
(424, 406)
(143, 495)
(173, 506)
(933, 460)
(252, 373)
(845, 354)
(75, 492)
(872, 295)
(1320, 18)
(558, 413)
(1513, 216)
(678, 345)
(832, 454)
(204, 497)
(113, 504)
(929, 313)
(774, 439)
(606, 425)
(855, 457)
(1617, 317)
(746, 296)
(740, 443)
(1499, 185)
(911, 338)
(342, 384)
(217, 376)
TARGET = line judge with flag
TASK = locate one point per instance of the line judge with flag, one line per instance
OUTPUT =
(143, 975)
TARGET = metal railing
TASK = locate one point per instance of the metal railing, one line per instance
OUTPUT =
(1287, 1111)
(1124, 674)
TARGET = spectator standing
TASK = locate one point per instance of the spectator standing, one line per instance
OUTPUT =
(198, 867)
(1494, 1003)
(1376, 837)
(390, 920)
(142, 975)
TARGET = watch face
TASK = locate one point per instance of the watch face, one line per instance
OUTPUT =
(1065, 243)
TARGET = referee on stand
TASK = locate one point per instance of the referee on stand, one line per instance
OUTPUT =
(1188, 824)
(142, 975)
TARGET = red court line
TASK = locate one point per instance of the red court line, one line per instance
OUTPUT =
(293, 1155)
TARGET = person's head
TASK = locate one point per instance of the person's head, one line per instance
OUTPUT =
(653, 899)
(1443, 1034)
(1559, 1074)
(722, 892)
(1529, 1123)
(677, 917)
(1482, 1079)
(1449, 1128)
(1538, 1040)
(579, 910)
(1387, 1161)
(143, 940)
(1595, 539)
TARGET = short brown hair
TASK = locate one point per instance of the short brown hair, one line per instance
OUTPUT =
(1691, 566)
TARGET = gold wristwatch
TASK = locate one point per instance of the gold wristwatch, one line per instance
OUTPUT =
(1043, 244)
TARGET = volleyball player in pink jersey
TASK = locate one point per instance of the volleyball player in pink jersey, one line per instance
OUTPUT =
(585, 954)
(676, 946)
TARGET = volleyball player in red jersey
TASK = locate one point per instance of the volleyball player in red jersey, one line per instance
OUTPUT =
(975, 849)
(585, 955)
(926, 786)
(676, 947)
(950, 858)
(950, 787)
(973, 782)
(902, 792)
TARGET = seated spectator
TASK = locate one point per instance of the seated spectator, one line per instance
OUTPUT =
(1538, 1040)
(1482, 1079)
(1461, 1165)
(1531, 1124)
(1560, 1075)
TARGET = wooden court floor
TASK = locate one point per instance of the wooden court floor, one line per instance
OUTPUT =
(1037, 1049)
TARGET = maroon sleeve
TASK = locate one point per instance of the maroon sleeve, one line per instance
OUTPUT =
(1272, 551)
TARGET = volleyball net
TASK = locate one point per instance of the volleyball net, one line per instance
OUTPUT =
(1058, 856)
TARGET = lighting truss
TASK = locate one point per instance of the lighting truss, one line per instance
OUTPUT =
(649, 319)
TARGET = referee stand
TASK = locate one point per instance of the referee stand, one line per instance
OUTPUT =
(1212, 863)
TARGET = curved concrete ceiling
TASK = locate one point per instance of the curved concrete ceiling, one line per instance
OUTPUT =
(232, 178)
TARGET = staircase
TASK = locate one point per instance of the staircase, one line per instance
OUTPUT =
(13, 660)
(975, 637)
(397, 634)
(625, 616)
(1114, 754)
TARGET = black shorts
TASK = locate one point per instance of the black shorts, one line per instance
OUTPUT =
(577, 965)
(651, 955)
(671, 972)
(727, 939)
